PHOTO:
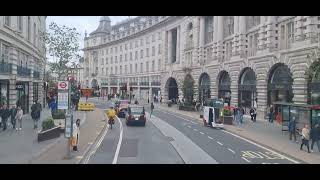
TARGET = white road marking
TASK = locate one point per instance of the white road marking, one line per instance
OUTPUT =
(116, 155)
(210, 137)
(246, 159)
(90, 143)
(231, 151)
(201, 133)
(220, 143)
(181, 117)
(189, 126)
(195, 129)
(262, 147)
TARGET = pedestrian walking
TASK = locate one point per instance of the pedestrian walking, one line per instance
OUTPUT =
(35, 113)
(161, 100)
(75, 135)
(253, 114)
(152, 108)
(292, 129)
(305, 137)
(13, 112)
(314, 135)
(271, 114)
(241, 114)
(18, 118)
(5, 114)
(1, 110)
(238, 116)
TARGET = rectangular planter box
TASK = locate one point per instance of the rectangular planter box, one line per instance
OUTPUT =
(49, 134)
(228, 120)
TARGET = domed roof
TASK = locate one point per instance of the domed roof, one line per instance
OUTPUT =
(105, 18)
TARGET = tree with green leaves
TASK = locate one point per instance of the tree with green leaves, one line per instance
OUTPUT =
(313, 72)
(62, 43)
(188, 89)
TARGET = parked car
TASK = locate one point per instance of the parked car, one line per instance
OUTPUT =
(136, 115)
(123, 108)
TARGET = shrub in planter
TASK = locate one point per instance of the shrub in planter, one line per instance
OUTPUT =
(227, 112)
(58, 114)
(47, 124)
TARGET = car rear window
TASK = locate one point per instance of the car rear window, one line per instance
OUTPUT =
(136, 110)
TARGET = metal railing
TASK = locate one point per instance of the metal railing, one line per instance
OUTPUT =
(36, 74)
(23, 71)
(5, 68)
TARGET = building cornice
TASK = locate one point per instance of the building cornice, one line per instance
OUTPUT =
(144, 31)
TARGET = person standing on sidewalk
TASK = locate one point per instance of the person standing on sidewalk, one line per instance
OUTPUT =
(5, 115)
(152, 107)
(1, 110)
(241, 114)
(76, 135)
(35, 113)
(314, 135)
(271, 114)
(18, 118)
(292, 129)
(305, 137)
(253, 114)
(13, 112)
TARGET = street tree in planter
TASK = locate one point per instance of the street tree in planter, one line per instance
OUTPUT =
(188, 92)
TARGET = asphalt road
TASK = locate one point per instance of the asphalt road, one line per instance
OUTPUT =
(139, 145)
(147, 145)
(222, 146)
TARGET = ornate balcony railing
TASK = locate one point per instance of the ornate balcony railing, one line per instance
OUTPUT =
(36, 74)
(23, 71)
(5, 68)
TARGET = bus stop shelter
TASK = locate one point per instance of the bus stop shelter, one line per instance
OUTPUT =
(303, 113)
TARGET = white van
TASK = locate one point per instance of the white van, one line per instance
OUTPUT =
(210, 116)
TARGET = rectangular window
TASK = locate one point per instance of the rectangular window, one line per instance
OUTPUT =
(97, 70)
(120, 58)
(153, 66)
(20, 23)
(141, 67)
(116, 49)
(107, 61)
(116, 70)
(102, 61)
(147, 40)
(125, 47)
(153, 37)
(115, 59)
(125, 57)
(111, 60)
(7, 20)
(141, 42)
(136, 55)
(153, 50)
(102, 52)
(147, 52)
(130, 68)
(107, 51)
(159, 35)
(130, 45)
(4, 53)
(130, 56)
(34, 33)
(159, 65)
(125, 69)
(174, 45)
(107, 72)
(111, 70)
(136, 68)
(147, 66)
(120, 69)
(136, 43)
(141, 54)
(102, 71)
(120, 48)
(29, 28)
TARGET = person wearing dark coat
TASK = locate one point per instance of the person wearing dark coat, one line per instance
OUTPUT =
(292, 129)
(5, 114)
(314, 135)
(13, 112)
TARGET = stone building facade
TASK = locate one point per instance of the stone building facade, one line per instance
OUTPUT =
(249, 61)
(22, 60)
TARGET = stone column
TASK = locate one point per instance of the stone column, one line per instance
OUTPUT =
(270, 43)
(234, 88)
(220, 37)
(178, 45)
(242, 35)
(262, 94)
(236, 35)
(169, 47)
(118, 86)
(202, 39)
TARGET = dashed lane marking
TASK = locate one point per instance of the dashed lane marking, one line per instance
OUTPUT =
(189, 126)
(246, 159)
(210, 137)
(231, 151)
(195, 129)
(201, 133)
(220, 143)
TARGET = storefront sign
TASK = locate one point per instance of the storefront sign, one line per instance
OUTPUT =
(19, 87)
(63, 100)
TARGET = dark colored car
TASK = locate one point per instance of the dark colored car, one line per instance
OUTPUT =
(123, 108)
(136, 115)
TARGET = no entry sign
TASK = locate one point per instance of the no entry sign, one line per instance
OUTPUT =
(63, 85)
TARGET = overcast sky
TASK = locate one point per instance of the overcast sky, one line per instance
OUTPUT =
(82, 23)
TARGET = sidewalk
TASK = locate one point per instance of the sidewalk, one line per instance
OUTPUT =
(92, 124)
(20, 146)
(262, 132)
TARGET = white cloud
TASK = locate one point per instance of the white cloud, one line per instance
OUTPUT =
(82, 23)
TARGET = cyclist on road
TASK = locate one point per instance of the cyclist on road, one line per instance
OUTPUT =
(111, 113)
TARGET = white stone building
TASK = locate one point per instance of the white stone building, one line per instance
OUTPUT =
(246, 60)
(22, 60)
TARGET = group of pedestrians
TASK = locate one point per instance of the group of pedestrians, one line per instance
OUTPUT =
(238, 113)
(15, 114)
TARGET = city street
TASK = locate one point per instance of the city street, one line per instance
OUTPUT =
(171, 138)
